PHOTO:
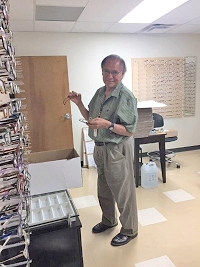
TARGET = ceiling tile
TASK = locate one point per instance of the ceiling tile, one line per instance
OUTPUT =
(91, 27)
(187, 28)
(107, 10)
(195, 21)
(54, 26)
(21, 9)
(126, 27)
(182, 14)
(21, 25)
(72, 3)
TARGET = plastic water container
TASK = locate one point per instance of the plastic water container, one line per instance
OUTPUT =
(149, 175)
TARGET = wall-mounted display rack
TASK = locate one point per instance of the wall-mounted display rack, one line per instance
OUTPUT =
(168, 80)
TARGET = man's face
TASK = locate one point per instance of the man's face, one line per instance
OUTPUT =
(112, 73)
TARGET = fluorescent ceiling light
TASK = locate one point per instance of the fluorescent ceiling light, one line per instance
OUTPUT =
(150, 10)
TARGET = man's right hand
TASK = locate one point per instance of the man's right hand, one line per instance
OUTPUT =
(75, 97)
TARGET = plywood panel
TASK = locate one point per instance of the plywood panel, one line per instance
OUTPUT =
(46, 85)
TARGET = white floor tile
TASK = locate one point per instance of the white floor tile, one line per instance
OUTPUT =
(163, 261)
(85, 202)
(150, 216)
(198, 172)
(179, 195)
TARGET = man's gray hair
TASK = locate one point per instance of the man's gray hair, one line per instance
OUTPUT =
(122, 62)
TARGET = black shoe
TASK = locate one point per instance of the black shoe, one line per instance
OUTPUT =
(100, 227)
(121, 239)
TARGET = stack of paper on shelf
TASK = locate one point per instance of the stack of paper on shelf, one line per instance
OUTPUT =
(145, 122)
(145, 118)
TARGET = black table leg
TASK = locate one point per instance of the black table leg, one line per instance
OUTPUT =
(162, 157)
(137, 163)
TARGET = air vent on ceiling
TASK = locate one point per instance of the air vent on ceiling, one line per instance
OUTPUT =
(58, 13)
(157, 27)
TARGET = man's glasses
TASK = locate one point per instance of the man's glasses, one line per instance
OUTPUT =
(83, 120)
(114, 73)
(65, 100)
(9, 87)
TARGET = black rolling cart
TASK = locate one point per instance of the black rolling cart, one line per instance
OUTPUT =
(55, 231)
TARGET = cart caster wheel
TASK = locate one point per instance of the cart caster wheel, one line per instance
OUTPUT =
(178, 166)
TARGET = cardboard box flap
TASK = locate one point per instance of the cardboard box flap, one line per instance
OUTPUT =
(52, 155)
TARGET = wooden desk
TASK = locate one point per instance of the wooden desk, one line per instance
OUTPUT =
(160, 138)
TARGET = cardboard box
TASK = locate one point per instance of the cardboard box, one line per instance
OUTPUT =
(54, 170)
(171, 133)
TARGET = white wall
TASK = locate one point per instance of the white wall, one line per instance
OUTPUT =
(85, 52)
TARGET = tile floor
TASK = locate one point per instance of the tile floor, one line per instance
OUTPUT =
(169, 221)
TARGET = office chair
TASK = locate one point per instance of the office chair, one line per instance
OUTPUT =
(169, 154)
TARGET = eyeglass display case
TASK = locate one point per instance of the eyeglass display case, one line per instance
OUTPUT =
(55, 231)
(55, 238)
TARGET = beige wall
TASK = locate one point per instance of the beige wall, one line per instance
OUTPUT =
(85, 52)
